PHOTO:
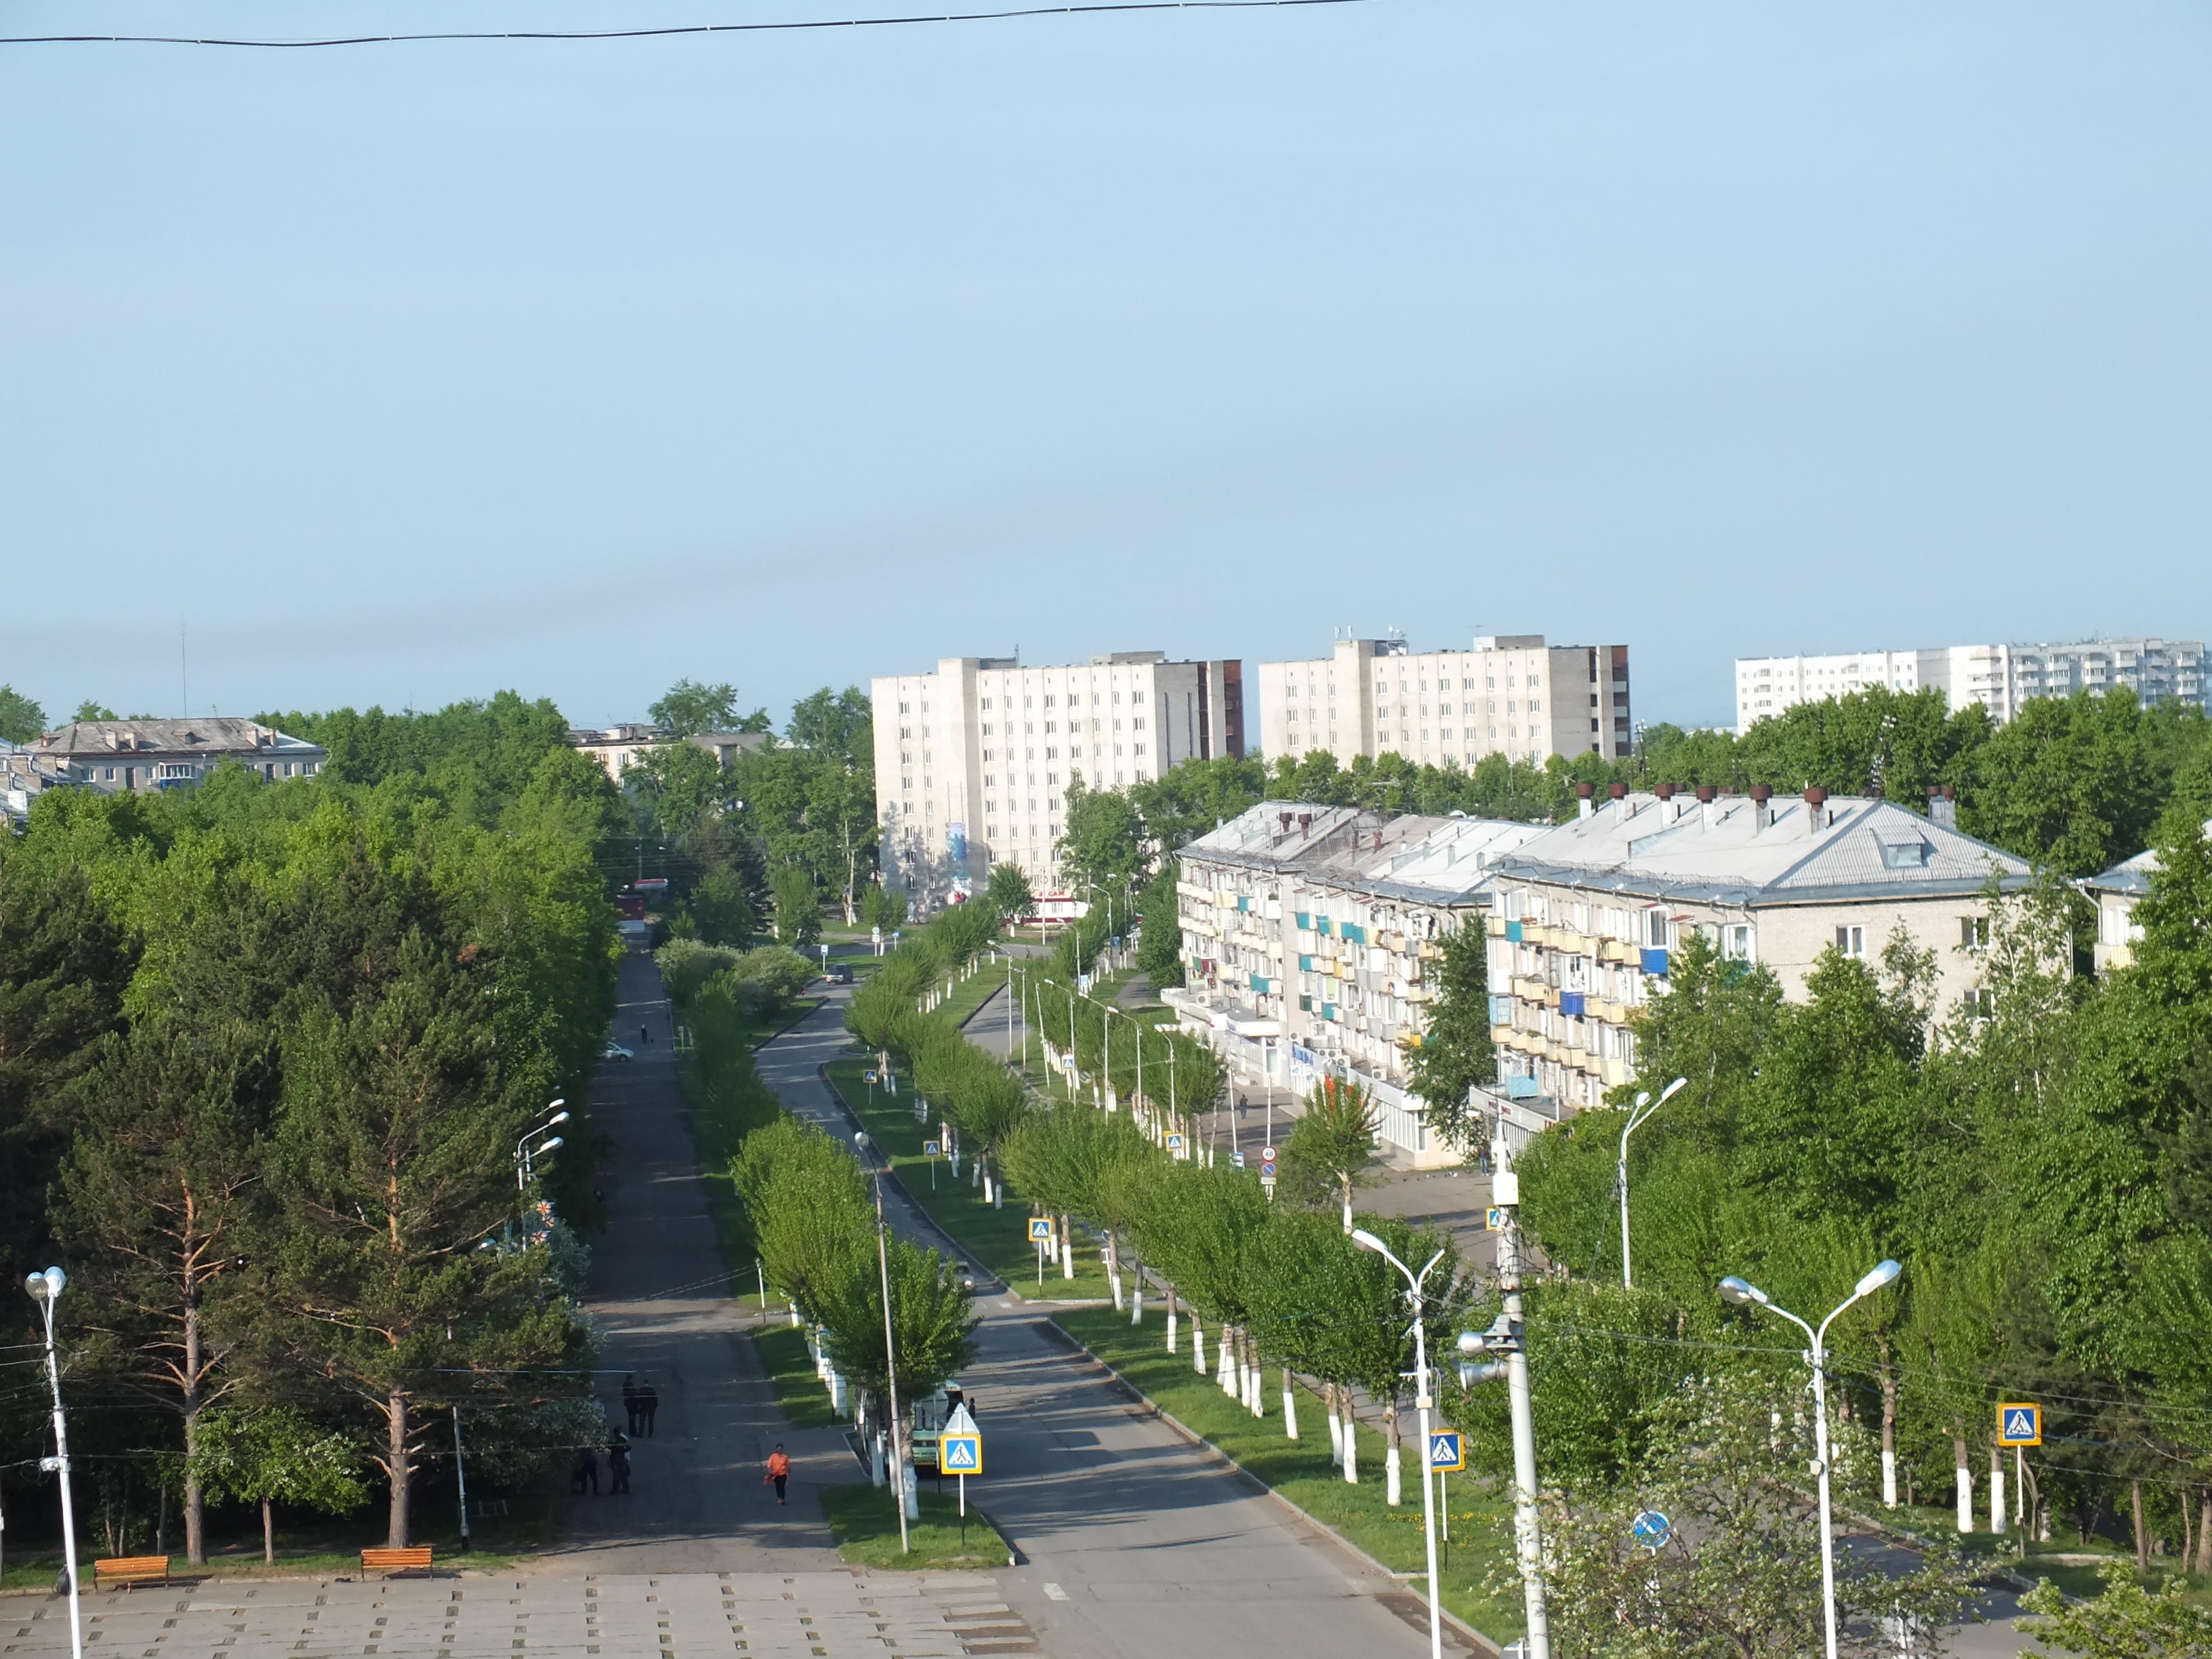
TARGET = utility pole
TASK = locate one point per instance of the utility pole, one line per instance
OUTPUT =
(1528, 1527)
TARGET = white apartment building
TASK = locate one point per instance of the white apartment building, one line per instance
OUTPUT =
(2001, 677)
(1510, 695)
(1308, 932)
(973, 760)
(1587, 914)
(2115, 892)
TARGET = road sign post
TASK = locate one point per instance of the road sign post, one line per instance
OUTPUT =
(960, 1449)
(1041, 1235)
(930, 1149)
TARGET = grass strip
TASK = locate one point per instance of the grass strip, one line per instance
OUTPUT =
(996, 1239)
(800, 1394)
(864, 1520)
(1479, 1517)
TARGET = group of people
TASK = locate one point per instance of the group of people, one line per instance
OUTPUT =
(641, 1402)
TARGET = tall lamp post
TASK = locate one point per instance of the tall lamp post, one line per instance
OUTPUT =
(1741, 1292)
(1423, 1402)
(526, 1156)
(890, 1356)
(46, 1290)
(1638, 1115)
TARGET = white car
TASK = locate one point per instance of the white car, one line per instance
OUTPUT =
(615, 1051)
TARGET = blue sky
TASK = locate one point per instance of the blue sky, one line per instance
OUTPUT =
(404, 373)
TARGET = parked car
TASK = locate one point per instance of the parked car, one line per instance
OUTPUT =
(838, 974)
(615, 1051)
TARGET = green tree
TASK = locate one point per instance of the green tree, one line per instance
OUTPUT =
(690, 707)
(2069, 782)
(1007, 891)
(2125, 1622)
(1332, 1146)
(1159, 938)
(1104, 839)
(91, 710)
(20, 717)
(1454, 1054)
(807, 1201)
(883, 907)
(797, 908)
(275, 1455)
(839, 724)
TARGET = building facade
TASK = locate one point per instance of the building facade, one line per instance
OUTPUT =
(116, 756)
(1308, 936)
(615, 747)
(1588, 916)
(1509, 695)
(2001, 677)
(973, 759)
(2115, 892)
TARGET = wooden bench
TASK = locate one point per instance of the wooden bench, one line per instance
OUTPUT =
(387, 1562)
(129, 1569)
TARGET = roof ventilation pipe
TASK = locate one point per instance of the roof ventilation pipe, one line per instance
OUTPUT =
(1582, 793)
(1305, 826)
(1943, 806)
(1817, 816)
(1706, 795)
(1618, 792)
(1761, 814)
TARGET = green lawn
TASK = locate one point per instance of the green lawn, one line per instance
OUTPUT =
(802, 1395)
(995, 1239)
(2075, 1578)
(1480, 1519)
(864, 1519)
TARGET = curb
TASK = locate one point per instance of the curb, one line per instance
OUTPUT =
(1484, 1644)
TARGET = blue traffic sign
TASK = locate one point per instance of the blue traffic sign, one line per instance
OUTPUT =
(1039, 1229)
(1175, 1143)
(1266, 1166)
(932, 1148)
(1651, 1529)
(2020, 1424)
(1236, 1159)
(1447, 1451)
(960, 1454)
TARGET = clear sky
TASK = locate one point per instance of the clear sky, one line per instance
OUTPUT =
(404, 373)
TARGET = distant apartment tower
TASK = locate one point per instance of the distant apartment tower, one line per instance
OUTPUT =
(1510, 695)
(2001, 677)
(973, 761)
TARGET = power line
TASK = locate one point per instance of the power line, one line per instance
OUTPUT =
(666, 30)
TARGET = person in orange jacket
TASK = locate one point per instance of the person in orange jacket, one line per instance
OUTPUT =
(779, 1471)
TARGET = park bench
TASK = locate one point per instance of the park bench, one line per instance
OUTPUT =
(129, 1569)
(387, 1562)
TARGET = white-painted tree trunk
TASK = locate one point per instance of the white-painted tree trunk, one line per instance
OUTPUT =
(1351, 1441)
(1067, 1247)
(1290, 1407)
(1998, 1516)
(1136, 1297)
(794, 1315)
(1197, 1344)
(1113, 1269)
(1888, 1479)
(1335, 1425)
(998, 1194)
(1171, 1321)
(1225, 1373)
(1393, 1491)
(1965, 1477)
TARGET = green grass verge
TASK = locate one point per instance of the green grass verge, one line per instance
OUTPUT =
(1480, 1521)
(790, 1369)
(2075, 1578)
(865, 1522)
(996, 1239)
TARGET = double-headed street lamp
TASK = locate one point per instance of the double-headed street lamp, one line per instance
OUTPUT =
(1643, 1109)
(1424, 1403)
(1741, 1292)
(526, 1156)
(46, 1290)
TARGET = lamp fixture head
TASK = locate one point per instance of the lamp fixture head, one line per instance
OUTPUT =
(1742, 1291)
(1367, 1241)
(1884, 1272)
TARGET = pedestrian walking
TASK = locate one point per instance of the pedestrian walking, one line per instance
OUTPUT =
(648, 1402)
(618, 1466)
(644, 1037)
(630, 1401)
(586, 1472)
(779, 1472)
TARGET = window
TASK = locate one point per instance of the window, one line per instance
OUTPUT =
(1904, 854)
(1051, 725)
(986, 703)
(906, 709)
(1851, 941)
(1655, 929)
(1735, 941)
(1974, 933)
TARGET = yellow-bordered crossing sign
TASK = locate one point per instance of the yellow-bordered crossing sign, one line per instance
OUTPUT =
(2020, 1424)
(960, 1454)
(1039, 1229)
(1447, 1451)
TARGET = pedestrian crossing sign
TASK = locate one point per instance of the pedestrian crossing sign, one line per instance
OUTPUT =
(1447, 1452)
(930, 1148)
(960, 1454)
(1039, 1229)
(1493, 1219)
(2020, 1424)
(1175, 1143)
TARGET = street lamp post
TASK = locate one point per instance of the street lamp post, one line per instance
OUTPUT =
(1423, 1402)
(1642, 1110)
(890, 1356)
(46, 1290)
(1741, 1292)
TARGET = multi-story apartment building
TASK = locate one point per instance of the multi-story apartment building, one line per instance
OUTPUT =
(1586, 915)
(1309, 937)
(616, 746)
(2116, 893)
(1510, 695)
(114, 756)
(2001, 677)
(973, 760)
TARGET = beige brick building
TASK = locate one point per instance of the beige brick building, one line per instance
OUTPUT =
(973, 760)
(1511, 694)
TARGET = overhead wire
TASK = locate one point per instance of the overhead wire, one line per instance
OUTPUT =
(663, 30)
